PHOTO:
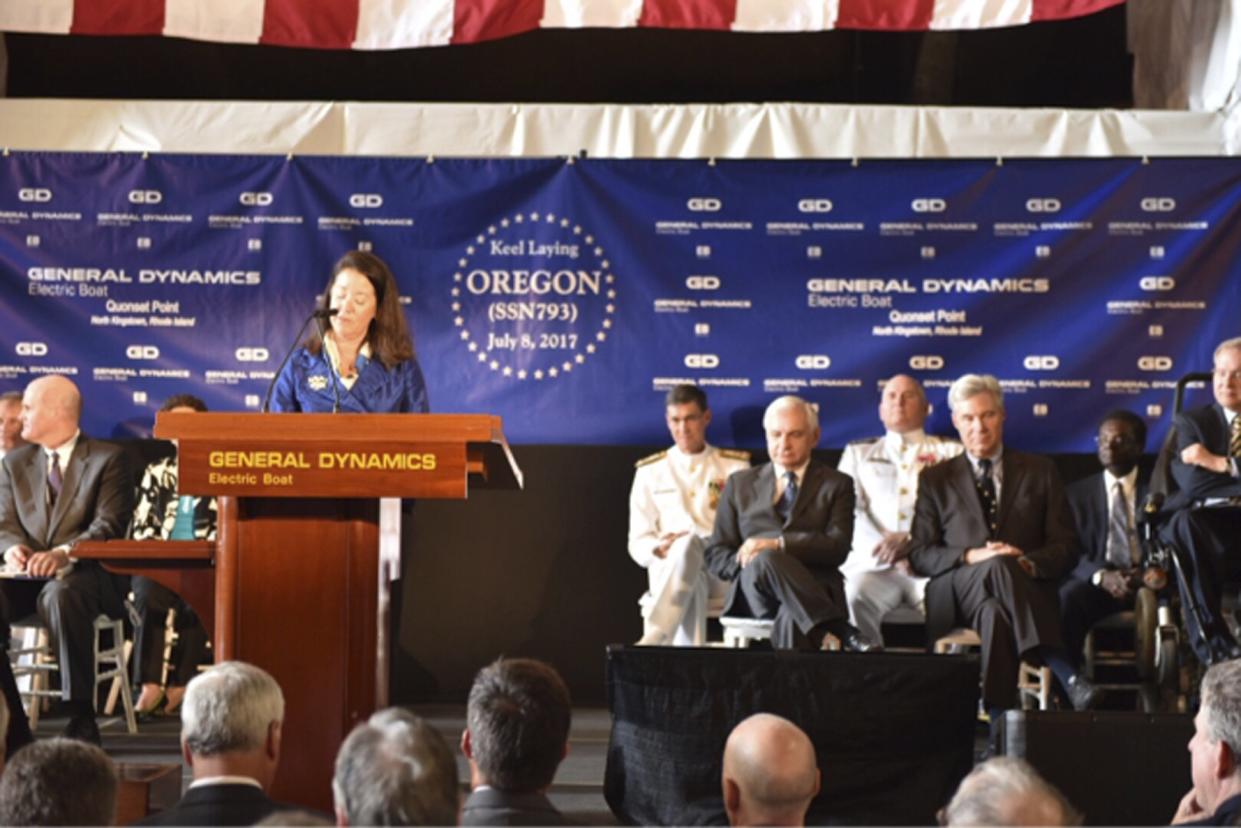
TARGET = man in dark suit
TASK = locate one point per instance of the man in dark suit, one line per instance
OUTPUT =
(782, 530)
(231, 723)
(1207, 526)
(516, 734)
(992, 530)
(1104, 507)
(395, 769)
(61, 489)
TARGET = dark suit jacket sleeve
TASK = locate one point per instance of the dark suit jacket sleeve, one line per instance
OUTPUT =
(825, 544)
(929, 552)
(725, 540)
(1058, 552)
(1086, 499)
(1205, 426)
(11, 531)
(1189, 479)
(1083, 508)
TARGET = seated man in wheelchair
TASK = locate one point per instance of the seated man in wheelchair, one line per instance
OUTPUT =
(1104, 506)
(1204, 526)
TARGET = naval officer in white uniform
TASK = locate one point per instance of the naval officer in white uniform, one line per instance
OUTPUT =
(671, 509)
(885, 477)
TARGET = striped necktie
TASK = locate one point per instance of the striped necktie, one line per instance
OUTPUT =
(1234, 444)
(55, 479)
(1119, 546)
(784, 506)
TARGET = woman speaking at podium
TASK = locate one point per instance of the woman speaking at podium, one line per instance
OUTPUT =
(365, 362)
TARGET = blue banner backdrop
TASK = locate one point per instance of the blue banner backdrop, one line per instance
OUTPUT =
(566, 295)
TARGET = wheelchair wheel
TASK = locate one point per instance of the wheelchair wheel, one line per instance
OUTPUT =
(1167, 662)
(1149, 700)
(1145, 633)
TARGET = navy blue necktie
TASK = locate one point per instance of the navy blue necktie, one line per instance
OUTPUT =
(784, 507)
(986, 494)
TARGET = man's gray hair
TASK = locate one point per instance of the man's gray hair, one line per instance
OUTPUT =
(971, 385)
(11, 397)
(1221, 700)
(791, 401)
(395, 769)
(1227, 345)
(1001, 789)
(58, 782)
(230, 707)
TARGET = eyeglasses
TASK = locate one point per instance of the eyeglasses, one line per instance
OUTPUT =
(1116, 440)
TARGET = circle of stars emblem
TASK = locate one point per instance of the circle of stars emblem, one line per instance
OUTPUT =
(500, 361)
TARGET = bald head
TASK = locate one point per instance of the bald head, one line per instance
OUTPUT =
(770, 773)
(51, 408)
(902, 405)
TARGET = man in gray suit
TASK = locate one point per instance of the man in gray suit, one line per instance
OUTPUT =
(782, 530)
(992, 530)
(62, 489)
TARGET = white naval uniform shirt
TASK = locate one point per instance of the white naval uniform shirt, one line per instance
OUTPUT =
(885, 480)
(677, 492)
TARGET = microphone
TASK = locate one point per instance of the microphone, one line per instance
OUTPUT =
(319, 316)
(271, 386)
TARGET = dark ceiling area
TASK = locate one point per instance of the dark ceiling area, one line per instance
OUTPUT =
(1081, 63)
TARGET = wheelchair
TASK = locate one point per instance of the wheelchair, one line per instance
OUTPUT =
(1167, 670)
(1174, 667)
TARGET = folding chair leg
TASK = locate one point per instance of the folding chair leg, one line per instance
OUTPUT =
(127, 697)
(115, 690)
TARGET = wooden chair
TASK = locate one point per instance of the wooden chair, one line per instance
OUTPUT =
(34, 661)
(1033, 683)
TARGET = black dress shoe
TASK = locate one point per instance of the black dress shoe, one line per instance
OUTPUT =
(1083, 694)
(83, 728)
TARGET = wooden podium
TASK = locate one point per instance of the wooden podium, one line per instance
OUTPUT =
(308, 543)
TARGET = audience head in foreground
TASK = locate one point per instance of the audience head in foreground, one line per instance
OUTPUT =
(1007, 791)
(516, 734)
(1215, 751)
(231, 722)
(58, 782)
(395, 769)
(770, 773)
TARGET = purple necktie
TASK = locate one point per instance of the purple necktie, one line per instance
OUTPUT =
(54, 478)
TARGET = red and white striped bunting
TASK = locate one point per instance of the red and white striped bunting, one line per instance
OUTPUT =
(403, 24)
